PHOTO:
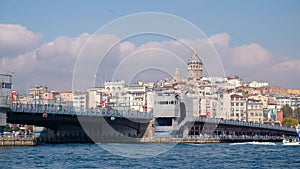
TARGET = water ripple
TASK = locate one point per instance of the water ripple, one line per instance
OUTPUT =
(181, 156)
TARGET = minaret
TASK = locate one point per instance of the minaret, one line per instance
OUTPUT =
(177, 76)
(195, 68)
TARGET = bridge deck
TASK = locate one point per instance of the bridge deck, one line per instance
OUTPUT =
(104, 112)
(27, 108)
(242, 124)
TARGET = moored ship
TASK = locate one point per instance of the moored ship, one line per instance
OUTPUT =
(293, 141)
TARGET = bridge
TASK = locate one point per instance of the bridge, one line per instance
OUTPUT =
(232, 128)
(70, 124)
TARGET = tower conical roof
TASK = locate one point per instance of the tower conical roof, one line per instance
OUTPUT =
(195, 58)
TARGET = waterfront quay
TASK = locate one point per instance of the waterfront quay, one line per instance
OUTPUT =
(33, 141)
(10, 140)
(212, 140)
(168, 140)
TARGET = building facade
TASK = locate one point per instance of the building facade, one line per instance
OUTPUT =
(254, 111)
(237, 107)
(80, 100)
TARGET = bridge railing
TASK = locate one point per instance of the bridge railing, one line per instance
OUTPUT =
(242, 124)
(49, 109)
(235, 136)
(69, 110)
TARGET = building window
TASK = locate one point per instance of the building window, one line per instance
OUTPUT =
(252, 114)
(232, 114)
(237, 104)
(6, 85)
(242, 104)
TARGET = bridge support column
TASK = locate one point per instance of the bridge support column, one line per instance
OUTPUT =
(5, 97)
(2, 121)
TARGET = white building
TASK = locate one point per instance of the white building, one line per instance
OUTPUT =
(115, 95)
(211, 107)
(223, 82)
(254, 111)
(119, 96)
(281, 101)
(215, 80)
(137, 97)
(237, 108)
(95, 97)
(256, 84)
(80, 100)
(235, 81)
(293, 102)
(114, 87)
(225, 105)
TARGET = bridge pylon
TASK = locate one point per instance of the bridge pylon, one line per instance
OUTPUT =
(5, 97)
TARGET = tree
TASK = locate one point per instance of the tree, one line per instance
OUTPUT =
(287, 111)
(29, 127)
(7, 128)
(289, 122)
(297, 113)
(16, 128)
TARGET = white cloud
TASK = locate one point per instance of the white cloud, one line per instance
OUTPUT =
(248, 55)
(221, 39)
(17, 39)
(289, 65)
(127, 47)
(52, 63)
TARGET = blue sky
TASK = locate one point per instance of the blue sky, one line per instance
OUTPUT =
(273, 24)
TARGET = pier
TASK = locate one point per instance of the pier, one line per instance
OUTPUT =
(212, 140)
(17, 141)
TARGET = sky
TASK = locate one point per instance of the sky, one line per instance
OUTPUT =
(256, 40)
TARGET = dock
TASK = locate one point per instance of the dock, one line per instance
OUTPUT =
(17, 141)
(215, 140)
(180, 140)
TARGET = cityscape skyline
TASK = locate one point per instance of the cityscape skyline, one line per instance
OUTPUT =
(142, 84)
(41, 47)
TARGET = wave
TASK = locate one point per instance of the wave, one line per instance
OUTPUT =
(255, 143)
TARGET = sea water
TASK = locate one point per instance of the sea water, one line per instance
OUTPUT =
(144, 156)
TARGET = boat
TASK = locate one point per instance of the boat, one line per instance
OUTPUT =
(292, 141)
